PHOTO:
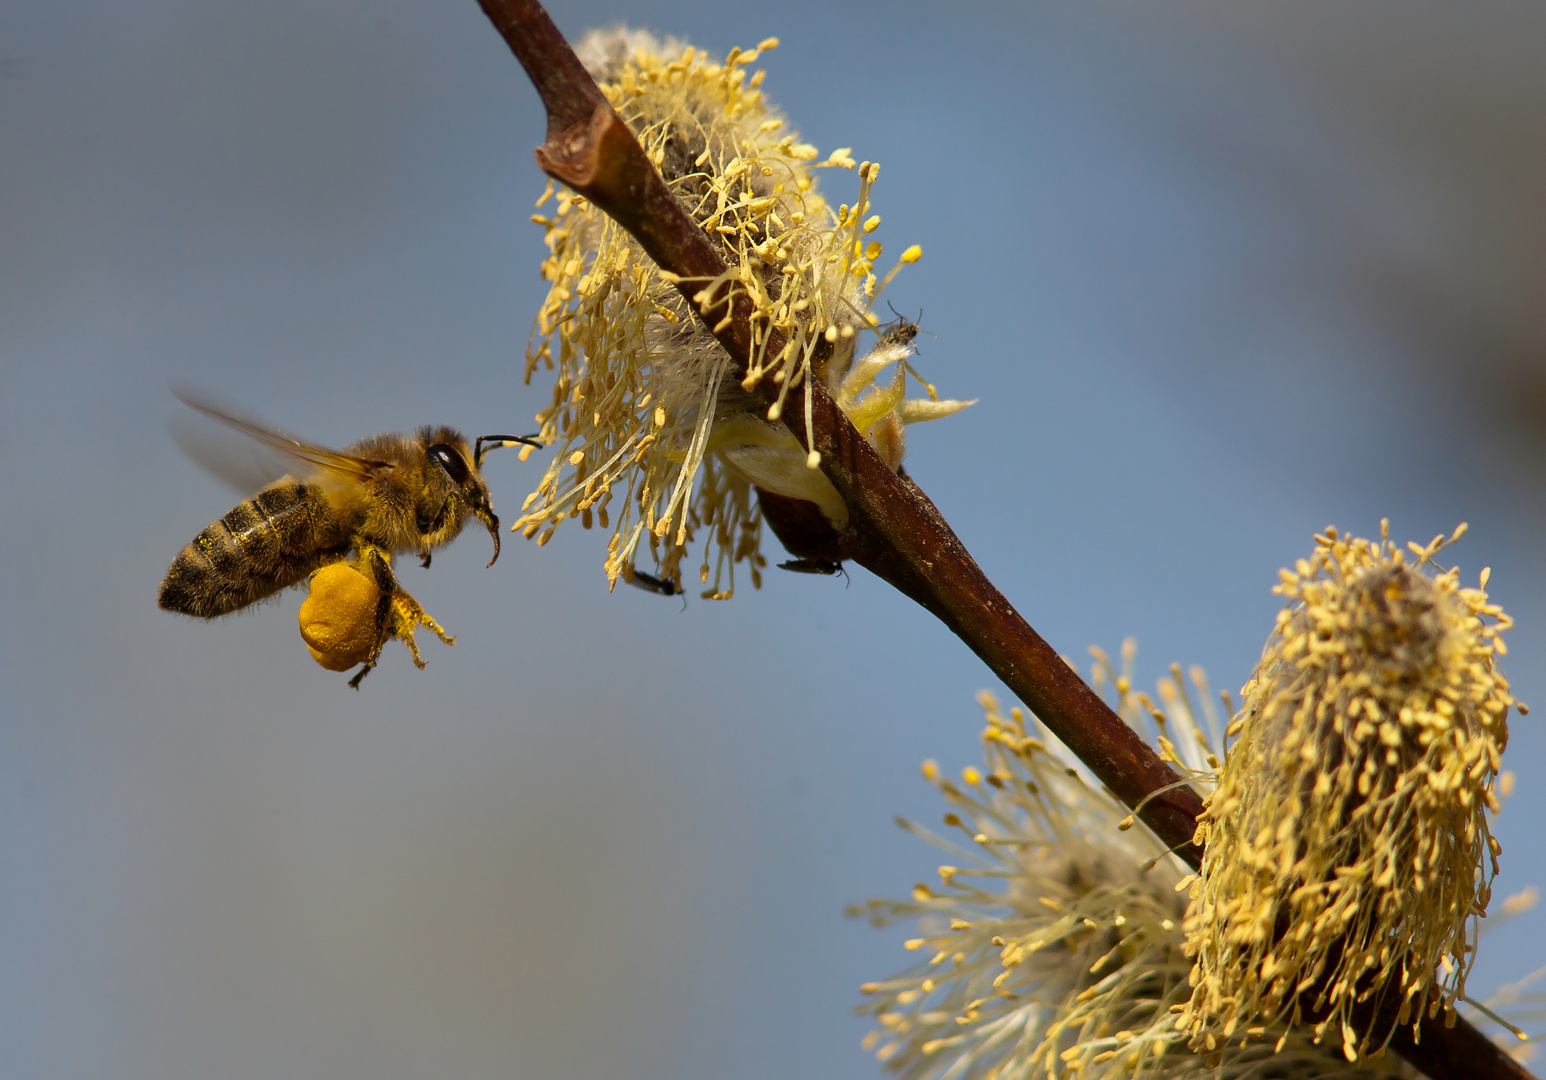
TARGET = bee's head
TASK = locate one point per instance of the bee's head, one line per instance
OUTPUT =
(453, 490)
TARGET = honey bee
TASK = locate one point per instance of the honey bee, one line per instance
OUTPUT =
(380, 497)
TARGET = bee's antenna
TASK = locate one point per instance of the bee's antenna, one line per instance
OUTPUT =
(496, 441)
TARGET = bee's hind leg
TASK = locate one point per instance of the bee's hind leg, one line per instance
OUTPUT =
(377, 563)
(397, 613)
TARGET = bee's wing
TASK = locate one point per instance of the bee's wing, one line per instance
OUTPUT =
(237, 462)
(319, 457)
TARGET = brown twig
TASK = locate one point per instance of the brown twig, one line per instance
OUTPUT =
(894, 529)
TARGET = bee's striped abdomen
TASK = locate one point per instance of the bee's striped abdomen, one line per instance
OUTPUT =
(268, 543)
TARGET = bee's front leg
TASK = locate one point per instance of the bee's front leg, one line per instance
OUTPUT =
(424, 556)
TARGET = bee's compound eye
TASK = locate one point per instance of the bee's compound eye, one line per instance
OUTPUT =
(452, 462)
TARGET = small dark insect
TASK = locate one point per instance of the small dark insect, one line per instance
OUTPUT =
(901, 331)
(382, 496)
(814, 566)
(650, 583)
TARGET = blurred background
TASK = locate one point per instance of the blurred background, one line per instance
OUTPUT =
(1221, 274)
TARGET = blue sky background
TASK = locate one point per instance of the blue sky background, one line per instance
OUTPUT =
(1219, 273)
